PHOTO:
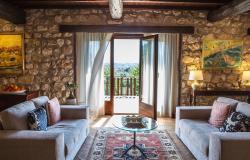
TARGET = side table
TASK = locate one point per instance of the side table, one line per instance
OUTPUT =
(8, 100)
(228, 92)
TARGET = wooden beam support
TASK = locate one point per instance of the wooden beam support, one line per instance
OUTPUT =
(161, 4)
(127, 28)
(11, 13)
(248, 32)
(233, 8)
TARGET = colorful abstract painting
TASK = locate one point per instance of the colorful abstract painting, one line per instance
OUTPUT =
(11, 54)
(220, 54)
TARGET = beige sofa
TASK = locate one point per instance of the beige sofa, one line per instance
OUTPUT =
(204, 140)
(61, 142)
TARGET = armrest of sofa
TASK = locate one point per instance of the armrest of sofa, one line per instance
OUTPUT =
(30, 145)
(191, 112)
(74, 112)
(229, 146)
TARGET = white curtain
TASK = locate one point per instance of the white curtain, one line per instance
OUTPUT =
(168, 52)
(148, 71)
(90, 51)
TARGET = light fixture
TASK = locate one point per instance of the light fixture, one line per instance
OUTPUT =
(195, 76)
(116, 8)
(246, 77)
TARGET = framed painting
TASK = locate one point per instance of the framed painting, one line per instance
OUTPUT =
(221, 54)
(11, 54)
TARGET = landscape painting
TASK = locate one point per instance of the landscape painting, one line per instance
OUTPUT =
(11, 54)
(221, 54)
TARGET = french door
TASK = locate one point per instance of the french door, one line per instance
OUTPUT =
(148, 76)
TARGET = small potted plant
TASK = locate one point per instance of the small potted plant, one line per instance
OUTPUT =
(72, 98)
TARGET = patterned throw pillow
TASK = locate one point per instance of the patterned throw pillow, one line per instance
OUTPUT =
(236, 122)
(54, 111)
(219, 113)
(37, 119)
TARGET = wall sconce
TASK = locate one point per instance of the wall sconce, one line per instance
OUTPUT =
(246, 77)
(195, 76)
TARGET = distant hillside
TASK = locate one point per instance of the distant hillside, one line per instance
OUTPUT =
(122, 69)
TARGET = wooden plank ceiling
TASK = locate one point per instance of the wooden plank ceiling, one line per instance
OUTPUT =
(11, 13)
(162, 4)
(218, 9)
(232, 8)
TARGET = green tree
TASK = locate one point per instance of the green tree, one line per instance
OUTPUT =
(106, 71)
(134, 72)
(106, 80)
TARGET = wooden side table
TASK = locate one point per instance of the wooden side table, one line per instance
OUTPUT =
(8, 100)
(230, 92)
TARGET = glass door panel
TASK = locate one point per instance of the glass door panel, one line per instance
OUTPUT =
(148, 76)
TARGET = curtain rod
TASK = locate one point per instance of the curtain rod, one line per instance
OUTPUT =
(127, 28)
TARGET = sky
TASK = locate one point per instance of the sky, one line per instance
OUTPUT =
(125, 51)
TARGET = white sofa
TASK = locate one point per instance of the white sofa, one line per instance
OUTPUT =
(205, 141)
(61, 142)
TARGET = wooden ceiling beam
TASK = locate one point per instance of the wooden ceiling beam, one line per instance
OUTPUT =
(127, 28)
(11, 13)
(162, 4)
(233, 8)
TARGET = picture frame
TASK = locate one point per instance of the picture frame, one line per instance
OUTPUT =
(221, 54)
(12, 58)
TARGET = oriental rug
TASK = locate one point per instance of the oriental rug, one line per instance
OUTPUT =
(111, 143)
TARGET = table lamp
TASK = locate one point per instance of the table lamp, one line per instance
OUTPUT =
(195, 76)
(246, 77)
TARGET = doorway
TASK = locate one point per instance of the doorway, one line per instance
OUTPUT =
(126, 76)
(130, 75)
(123, 67)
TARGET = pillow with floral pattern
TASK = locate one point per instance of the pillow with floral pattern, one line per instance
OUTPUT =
(236, 122)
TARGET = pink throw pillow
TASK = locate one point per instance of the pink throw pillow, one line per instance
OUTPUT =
(220, 111)
(54, 111)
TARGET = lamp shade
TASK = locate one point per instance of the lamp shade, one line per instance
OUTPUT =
(246, 76)
(195, 75)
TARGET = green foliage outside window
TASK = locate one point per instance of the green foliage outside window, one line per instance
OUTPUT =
(125, 71)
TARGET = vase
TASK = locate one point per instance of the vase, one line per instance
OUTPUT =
(71, 99)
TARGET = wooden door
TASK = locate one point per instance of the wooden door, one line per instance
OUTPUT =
(148, 76)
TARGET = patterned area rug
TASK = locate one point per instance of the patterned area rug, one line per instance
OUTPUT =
(110, 144)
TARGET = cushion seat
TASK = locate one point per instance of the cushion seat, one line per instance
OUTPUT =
(72, 129)
(197, 131)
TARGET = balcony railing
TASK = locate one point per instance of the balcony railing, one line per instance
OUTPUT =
(124, 86)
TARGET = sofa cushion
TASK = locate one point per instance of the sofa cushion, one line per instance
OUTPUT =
(243, 108)
(197, 131)
(40, 101)
(37, 119)
(232, 102)
(219, 113)
(72, 130)
(15, 118)
(236, 122)
(53, 109)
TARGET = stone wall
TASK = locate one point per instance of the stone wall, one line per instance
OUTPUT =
(230, 28)
(50, 54)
